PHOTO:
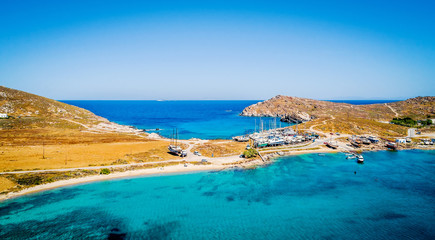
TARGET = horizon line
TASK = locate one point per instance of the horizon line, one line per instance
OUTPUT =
(167, 100)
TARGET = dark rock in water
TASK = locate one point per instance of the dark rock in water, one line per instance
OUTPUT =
(116, 234)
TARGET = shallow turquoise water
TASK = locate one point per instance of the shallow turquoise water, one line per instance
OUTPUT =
(390, 196)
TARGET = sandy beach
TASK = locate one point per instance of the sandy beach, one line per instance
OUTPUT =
(175, 169)
(216, 164)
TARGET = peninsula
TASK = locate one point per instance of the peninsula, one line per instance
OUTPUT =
(326, 117)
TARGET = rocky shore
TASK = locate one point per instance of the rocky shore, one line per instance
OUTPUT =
(288, 109)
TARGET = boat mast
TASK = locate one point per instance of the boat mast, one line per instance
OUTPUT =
(255, 125)
(262, 125)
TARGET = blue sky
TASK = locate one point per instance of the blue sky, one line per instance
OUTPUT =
(218, 49)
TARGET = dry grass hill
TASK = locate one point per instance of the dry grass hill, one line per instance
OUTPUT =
(34, 119)
(42, 133)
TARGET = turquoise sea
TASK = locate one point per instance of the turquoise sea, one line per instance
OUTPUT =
(312, 196)
(193, 119)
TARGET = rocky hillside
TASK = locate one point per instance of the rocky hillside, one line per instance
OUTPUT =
(27, 111)
(19, 104)
(297, 110)
(417, 108)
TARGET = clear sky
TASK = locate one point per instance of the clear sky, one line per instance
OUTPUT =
(218, 49)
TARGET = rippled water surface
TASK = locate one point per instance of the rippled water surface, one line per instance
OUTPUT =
(390, 196)
(193, 119)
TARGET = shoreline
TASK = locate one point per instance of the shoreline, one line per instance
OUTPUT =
(161, 171)
(167, 171)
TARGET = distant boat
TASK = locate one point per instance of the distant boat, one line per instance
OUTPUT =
(391, 145)
(276, 142)
(241, 138)
(331, 145)
(228, 110)
(356, 144)
(360, 158)
(373, 139)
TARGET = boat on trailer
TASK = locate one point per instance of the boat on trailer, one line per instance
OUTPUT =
(355, 143)
(391, 145)
(173, 147)
(331, 145)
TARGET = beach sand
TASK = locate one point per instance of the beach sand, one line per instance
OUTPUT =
(175, 169)
(216, 164)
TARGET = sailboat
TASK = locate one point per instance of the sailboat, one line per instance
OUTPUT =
(173, 146)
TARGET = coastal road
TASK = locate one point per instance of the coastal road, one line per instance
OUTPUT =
(93, 168)
(190, 158)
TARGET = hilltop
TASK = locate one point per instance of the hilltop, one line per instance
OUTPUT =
(26, 110)
(347, 118)
(32, 117)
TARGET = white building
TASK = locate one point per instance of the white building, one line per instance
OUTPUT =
(3, 115)
(401, 140)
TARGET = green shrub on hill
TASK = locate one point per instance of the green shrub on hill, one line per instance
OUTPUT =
(105, 171)
(250, 153)
(426, 122)
(406, 121)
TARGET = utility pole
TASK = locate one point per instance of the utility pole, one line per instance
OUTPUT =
(43, 150)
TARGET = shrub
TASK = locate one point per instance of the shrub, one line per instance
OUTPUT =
(30, 180)
(105, 171)
(406, 121)
(250, 153)
(427, 122)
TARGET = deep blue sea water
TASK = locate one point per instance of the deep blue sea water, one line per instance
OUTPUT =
(390, 196)
(193, 119)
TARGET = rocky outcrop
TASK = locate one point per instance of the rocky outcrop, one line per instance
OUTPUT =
(289, 109)
(298, 110)
(298, 117)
